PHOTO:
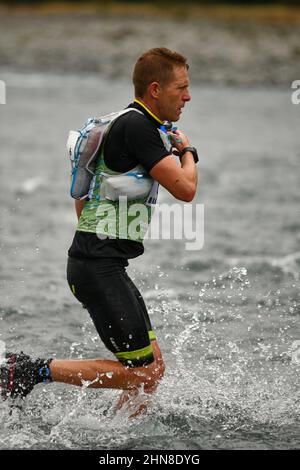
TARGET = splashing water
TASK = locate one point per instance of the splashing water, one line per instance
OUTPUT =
(227, 319)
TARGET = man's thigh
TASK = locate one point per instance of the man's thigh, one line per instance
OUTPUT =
(117, 310)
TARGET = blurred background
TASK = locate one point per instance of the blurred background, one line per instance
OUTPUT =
(240, 43)
(227, 316)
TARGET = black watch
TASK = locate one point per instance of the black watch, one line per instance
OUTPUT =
(193, 150)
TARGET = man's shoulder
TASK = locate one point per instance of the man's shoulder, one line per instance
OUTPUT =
(135, 116)
(133, 125)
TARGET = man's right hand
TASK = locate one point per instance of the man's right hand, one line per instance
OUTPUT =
(179, 140)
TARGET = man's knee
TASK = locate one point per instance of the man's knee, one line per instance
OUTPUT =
(159, 365)
(158, 360)
(161, 368)
(148, 375)
(154, 373)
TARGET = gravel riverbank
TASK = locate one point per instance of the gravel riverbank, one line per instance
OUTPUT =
(245, 52)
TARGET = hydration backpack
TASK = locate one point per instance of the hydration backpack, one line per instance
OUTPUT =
(83, 149)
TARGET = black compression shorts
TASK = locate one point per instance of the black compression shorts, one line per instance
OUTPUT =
(115, 306)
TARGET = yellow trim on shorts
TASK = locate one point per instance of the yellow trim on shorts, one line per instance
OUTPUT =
(152, 335)
(137, 354)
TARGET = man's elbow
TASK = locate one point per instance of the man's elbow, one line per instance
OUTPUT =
(190, 196)
(187, 194)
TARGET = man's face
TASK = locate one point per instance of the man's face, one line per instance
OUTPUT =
(173, 96)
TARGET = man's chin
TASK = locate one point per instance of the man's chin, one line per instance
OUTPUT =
(173, 118)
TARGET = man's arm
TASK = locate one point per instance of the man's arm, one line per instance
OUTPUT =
(181, 182)
(79, 206)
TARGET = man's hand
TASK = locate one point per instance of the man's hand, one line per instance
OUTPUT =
(179, 140)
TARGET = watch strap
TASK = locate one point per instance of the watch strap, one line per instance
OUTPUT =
(192, 150)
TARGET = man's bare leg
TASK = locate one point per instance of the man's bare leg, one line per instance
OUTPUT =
(102, 373)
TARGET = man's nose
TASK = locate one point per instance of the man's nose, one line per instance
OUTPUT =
(187, 96)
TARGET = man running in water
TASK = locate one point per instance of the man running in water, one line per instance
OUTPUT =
(96, 268)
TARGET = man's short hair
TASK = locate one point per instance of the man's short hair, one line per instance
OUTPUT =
(156, 65)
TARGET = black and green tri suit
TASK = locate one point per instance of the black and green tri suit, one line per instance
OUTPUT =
(96, 269)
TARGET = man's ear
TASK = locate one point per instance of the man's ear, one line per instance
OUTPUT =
(154, 89)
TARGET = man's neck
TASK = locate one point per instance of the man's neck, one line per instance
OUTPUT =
(147, 106)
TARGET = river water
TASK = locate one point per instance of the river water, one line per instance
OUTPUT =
(226, 316)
